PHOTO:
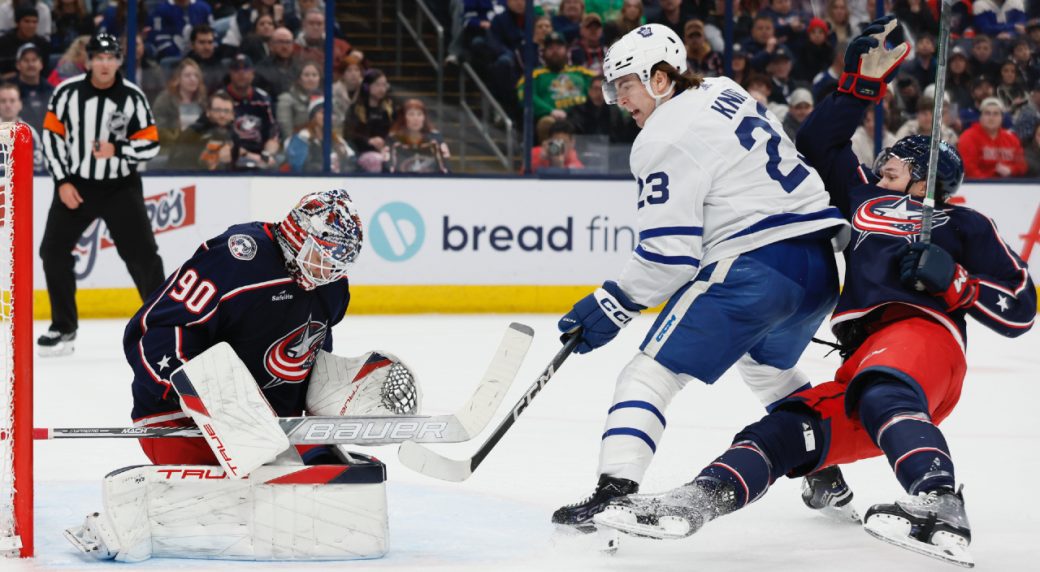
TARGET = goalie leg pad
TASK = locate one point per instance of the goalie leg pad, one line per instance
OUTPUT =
(284, 513)
(217, 391)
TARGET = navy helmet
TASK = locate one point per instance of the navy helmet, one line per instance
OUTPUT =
(102, 43)
(913, 150)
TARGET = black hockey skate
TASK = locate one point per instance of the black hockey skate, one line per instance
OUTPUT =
(933, 524)
(671, 515)
(826, 491)
(54, 343)
(578, 516)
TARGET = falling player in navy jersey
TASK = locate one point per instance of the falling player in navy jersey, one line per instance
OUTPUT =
(900, 321)
(272, 291)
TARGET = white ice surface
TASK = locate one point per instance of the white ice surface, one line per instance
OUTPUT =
(499, 518)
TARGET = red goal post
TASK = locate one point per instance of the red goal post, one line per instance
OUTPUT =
(16, 345)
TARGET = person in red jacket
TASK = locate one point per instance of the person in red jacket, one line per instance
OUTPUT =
(990, 151)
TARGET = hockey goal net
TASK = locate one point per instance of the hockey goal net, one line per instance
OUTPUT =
(16, 291)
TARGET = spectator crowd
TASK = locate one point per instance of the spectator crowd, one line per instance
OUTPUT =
(786, 53)
(233, 85)
(238, 84)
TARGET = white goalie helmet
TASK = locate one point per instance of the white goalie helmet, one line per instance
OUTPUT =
(637, 52)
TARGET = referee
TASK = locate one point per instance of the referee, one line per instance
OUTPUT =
(97, 129)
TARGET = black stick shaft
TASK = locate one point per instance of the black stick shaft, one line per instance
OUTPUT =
(543, 379)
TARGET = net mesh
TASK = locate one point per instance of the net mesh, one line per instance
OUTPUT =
(8, 540)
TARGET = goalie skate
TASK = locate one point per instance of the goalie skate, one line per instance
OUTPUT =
(827, 492)
(932, 524)
(93, 538)
(672, 515)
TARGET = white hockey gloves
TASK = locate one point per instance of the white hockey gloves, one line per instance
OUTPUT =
(376, 383)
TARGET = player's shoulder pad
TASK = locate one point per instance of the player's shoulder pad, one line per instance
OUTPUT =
(970, 222)
(240, 242)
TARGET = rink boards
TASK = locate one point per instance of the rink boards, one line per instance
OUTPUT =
(447, 245)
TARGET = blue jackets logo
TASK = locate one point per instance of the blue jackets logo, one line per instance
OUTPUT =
(397, 231)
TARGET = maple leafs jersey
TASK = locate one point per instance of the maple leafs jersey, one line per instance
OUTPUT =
(234, 289)
(717, 177)
(884, 222)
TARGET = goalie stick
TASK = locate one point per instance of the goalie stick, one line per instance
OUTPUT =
(423, 460)
(463, 425)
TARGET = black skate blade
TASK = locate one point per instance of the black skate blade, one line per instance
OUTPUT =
(885, 531)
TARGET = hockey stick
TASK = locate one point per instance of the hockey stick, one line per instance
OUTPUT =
(427, 462)
(928, 209)
(464, 425)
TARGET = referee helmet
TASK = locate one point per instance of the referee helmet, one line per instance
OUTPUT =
(103, 43)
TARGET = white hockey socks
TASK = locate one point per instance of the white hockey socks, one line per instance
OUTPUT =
(321, 512)
(770, 384)
(636, 422)
(221, 396)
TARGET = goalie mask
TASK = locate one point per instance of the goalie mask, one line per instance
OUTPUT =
(376, 383)
(636, 53)
(914, 150)
(320, 238)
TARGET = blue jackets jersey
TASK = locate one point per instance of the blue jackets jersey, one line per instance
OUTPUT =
(885, 222)
(234, 289)
(254, 122)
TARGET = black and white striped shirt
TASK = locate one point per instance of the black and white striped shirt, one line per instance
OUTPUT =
(79, 114)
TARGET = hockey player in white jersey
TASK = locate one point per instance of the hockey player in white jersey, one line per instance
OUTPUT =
(736, 233)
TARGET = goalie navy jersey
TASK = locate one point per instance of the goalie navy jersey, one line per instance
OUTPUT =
(234, 289)
(885, 222)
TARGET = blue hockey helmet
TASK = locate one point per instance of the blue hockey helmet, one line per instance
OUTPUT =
(913, 150)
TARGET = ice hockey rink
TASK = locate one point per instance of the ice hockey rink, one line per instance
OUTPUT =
(499, 518)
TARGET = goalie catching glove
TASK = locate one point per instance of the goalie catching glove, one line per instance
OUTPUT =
(376, 383)
(872, 58)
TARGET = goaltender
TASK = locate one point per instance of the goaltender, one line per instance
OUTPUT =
(249, 318)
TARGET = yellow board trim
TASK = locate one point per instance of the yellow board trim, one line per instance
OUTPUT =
(123, 302)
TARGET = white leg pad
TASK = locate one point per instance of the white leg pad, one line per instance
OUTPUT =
(277, 513)
(221, 396)
(768, 383)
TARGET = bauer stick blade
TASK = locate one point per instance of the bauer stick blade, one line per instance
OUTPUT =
(423, 460)
(463, 425)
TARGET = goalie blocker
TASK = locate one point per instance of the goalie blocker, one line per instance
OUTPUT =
(288, 513)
